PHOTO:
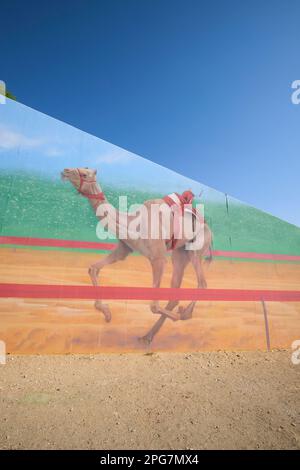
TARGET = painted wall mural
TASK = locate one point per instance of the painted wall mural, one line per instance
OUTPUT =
(69, 285)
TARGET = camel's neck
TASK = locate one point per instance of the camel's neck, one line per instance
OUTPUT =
(91, 191)
(110, 217)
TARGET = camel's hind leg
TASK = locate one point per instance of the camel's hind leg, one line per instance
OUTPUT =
(196, 260)
(119, 253)
(158, 266)
(180, 259)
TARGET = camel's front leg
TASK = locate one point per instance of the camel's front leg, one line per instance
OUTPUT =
(120, 253)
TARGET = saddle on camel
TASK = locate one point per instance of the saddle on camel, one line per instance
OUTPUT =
(181, 204)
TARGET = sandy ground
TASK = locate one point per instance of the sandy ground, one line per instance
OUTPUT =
(216, 400)
(30, 326)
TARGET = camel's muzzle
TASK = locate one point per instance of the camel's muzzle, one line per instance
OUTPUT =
(65, 174)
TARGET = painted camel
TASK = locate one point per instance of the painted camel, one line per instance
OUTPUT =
(154, 249)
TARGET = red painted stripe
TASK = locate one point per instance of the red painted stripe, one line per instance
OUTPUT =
(249, 255)
(144, 293)
(52, 242)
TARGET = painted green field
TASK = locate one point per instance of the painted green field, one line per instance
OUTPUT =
(34, 206)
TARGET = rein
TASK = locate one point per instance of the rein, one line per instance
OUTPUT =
(99, 196)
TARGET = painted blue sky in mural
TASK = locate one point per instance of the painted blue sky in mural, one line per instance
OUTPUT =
(34, 142)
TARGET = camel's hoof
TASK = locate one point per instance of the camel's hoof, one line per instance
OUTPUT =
(144, 340)
(186, 316)
(103, 308)
(107, 313)
(154, 307)
(175, 318)
(185, 313)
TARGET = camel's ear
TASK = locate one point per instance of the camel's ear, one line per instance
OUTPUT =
(95, 172)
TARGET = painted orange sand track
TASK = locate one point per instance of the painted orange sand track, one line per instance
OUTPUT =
(60, 325)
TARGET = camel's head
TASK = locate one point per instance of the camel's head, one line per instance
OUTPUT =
(78, 176)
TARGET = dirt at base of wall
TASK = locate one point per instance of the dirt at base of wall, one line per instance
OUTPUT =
(222, 400)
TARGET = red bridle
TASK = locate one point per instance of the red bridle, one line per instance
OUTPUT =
(98, 196)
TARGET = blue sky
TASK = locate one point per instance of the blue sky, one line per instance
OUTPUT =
(201, 87)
